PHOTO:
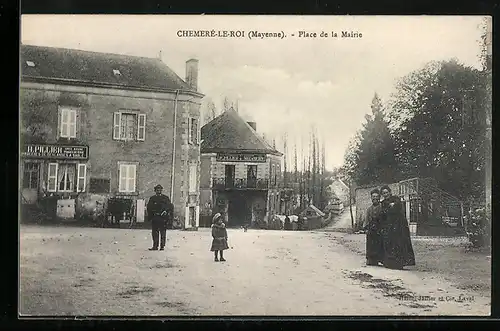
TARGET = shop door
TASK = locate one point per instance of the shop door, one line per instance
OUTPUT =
(31, 181)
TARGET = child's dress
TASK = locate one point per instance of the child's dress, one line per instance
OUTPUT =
(219, 233)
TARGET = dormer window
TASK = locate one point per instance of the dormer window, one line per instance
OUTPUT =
(116, 72)
(30, 63)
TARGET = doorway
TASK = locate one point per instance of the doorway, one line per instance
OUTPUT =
(239, 212)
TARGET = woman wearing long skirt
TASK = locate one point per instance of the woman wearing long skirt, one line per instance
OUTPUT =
(398, 249)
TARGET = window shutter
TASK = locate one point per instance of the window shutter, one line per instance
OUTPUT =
(64, 122)
(123, 178)
(116, 126)
(132, 177)
(141, 127)
(72, 123)
(192, 178)
(195, 131)
(52, 177)
(190, 137)
(82, 177)
(198, 132)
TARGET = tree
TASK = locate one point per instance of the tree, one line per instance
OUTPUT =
(348, 169)
(486, 61)
(295, 165)
(210, 112)
(375, 155)
(314, 168)
(285, 156)
(438, 120)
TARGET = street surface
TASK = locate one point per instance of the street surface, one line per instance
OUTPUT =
(343, 221)
(92, 271)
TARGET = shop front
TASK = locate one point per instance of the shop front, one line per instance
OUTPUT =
(54, 171)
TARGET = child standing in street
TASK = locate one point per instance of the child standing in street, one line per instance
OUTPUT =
(219, 235)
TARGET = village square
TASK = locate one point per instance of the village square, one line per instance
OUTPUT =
(149, 190)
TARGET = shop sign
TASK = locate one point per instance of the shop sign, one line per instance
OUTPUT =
(222, 157)
(43, 151)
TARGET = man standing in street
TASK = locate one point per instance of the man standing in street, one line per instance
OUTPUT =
(160, 211)
(374, 243)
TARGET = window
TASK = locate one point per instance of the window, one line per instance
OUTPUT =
(127, 175)
(99, 185)
(192, 178)
(129, 126)
(229, 174)
(31, 173)
(252, 176)
(67, 177)
(273, 175)
(193, 131)
(68, 123)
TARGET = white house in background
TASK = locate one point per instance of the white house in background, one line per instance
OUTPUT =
(341, 190)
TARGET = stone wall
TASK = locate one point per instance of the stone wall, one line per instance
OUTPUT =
(95, 108)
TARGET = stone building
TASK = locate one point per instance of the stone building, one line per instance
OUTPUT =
(110, 125)
(240, 172)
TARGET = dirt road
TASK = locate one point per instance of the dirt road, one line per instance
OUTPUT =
(83, 271)
(343, 221)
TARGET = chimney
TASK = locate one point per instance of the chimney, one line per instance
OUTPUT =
(253, 125)
(192, 73)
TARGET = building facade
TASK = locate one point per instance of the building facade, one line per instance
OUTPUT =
(111, 125)
(240, 173)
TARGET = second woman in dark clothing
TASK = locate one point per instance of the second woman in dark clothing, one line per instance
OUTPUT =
(398, 250)
(219, 235)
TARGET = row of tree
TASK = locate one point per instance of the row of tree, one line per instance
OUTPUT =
(310, 181)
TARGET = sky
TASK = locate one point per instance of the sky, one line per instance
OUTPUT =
(285, 85)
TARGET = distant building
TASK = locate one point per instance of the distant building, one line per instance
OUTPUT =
(240, 172)
(108, 124)
(340, 190)
(313, 217)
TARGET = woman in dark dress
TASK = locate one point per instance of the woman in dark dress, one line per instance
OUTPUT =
(398, 250)
(219, 235)
(374, 245)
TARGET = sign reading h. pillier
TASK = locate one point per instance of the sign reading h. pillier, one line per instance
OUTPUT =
(224, 157)
(56, 152)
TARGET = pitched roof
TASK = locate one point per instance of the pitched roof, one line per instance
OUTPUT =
(97, 69)
(314, 209)
(229, 132)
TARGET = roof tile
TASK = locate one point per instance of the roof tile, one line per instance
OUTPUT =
(229, 132)
(98, 68)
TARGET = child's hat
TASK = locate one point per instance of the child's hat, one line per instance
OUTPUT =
(216, 217)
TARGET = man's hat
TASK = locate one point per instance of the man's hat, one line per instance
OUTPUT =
(158, 187)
